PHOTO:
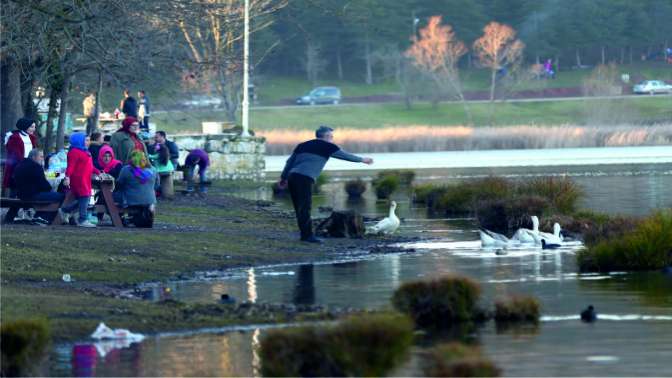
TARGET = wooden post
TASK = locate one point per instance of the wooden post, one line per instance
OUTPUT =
(167, 190)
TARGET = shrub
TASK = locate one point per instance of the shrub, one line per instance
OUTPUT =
(421, 193)
(462, 199)
(518, 308)
(405, 176)
(368, 345)
(562, 193)
(647, 247)
(457, 360)
(506, 216)
(24, 343)
(438, 303)
(321, 180)
(355, 188)
(385, 186)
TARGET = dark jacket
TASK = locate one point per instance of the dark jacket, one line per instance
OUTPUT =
(130, 107)
(135, 192)
(94, 149)
(309, 158)
(29, 179)
(174, 152)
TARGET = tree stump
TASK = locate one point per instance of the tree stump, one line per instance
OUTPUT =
(167, 190)
(341, 224)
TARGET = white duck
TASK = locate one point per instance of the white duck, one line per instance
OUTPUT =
(491, 239)
(553, 240)
(386, 225)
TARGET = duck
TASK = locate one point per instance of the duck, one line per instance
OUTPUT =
(387, 225)
(227, 299)
(493, 239)
(589, 315)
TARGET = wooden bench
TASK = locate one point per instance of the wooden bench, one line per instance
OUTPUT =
(14, 204)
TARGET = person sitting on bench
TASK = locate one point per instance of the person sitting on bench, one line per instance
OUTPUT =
(136, 185)
(32, 185)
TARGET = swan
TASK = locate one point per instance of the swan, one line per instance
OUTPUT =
(493, 239)
(555, 237)
(386, 225)
(527, 236)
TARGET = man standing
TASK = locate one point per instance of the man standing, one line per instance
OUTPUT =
(303, 167)
(129, 106)
(143, 111)
(89, 106)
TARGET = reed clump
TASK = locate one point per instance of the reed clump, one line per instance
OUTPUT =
(386, 185)
(24, 343)
(355, 188)
(517, 308)
(365, 345)
(458, 360)
(646, 247)
(439, 303)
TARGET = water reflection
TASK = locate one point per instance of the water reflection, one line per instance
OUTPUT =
(304, 290)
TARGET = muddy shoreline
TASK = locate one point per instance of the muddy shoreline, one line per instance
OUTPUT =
(218, 233)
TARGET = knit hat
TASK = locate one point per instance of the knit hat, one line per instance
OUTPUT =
(24, 124)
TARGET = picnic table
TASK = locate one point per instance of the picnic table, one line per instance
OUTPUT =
(107, 124)
(105, 186)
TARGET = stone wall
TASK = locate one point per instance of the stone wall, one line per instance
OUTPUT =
(231, 156)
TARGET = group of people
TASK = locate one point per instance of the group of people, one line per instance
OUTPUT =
(129, 105)
(124, 157)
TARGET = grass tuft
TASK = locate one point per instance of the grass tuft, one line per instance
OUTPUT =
(517, 308)
(355, 188)
(458, 360)
(439, 303)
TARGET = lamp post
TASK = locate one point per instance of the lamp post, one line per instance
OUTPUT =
(246, 74)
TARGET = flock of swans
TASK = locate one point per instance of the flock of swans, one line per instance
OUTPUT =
(523, 236)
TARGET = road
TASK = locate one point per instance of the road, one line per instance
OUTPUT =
(519, 100)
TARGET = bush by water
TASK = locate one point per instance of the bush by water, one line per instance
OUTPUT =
(458, 360)
(24, 343)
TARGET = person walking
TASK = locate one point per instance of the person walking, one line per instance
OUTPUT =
(89, 110)
(143, 111)
(129, 105)
(302, 169)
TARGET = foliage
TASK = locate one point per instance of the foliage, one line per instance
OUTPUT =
(405, 176)
(322, 179)
(385, 185)
(517, 308)
(24, 343)
(497, 49)
(355, 188)
(563, 193)
(438, 303)
(506, 215)
(647, 247)
(457, 360)
(368, 345)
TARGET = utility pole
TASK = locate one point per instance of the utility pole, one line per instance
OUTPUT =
(246, 73)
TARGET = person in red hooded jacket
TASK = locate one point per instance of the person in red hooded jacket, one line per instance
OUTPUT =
(78, 177)
(19, 144)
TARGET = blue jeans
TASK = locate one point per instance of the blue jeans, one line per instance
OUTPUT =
(82, 203)
(203, 176)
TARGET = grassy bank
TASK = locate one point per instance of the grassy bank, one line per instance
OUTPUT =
(219, 232)
(374, 116)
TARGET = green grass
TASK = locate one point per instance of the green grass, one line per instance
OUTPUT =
(446, 114)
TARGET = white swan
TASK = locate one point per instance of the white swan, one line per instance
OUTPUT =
(386, 225)
(553, 240)
(527, 236)
(494, 240)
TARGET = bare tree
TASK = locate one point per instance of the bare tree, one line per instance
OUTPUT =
(436, 53)
(213, 31)
(314, 63)
(496, 49)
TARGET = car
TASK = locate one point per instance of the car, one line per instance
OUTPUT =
(202, 101)
(652, 87)
(321, 95)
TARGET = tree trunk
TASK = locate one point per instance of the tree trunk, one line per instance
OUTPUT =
(557, 64)
(29, 108)
(339, 63)
(630, 52)
(367, 59)
(98, 97)
(604, 55)
(51, 113)
(622, 55)
(10, 96)
(62, 112)
(493, 77)
(578, 59)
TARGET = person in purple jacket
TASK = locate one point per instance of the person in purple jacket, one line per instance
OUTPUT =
(196, 158)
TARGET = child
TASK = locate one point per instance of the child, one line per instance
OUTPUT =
(78, 177)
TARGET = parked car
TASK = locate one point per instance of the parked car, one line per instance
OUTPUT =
(321, 95)
(202, 101)
(652, 87)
